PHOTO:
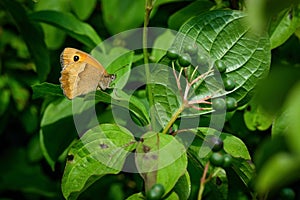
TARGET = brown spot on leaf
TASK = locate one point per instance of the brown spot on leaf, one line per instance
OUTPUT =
(146, 148)
(154, 157)
(103, 146)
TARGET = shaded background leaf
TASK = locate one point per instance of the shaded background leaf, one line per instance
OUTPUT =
(70, 24)
(33, 37)
(195, 8)
(283, 25)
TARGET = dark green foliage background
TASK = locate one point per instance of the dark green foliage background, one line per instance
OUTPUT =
(32, 36)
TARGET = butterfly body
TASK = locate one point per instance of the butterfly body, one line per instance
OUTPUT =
(81, 73)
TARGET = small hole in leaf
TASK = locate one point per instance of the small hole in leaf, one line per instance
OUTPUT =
(290, 15)
(70, 157)
(248, 108)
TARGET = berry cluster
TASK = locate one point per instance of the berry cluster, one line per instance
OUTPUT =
(218, 158)
(184, 60)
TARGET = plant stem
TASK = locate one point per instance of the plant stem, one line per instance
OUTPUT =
(173, 119)
(203, 181)
(148, 9)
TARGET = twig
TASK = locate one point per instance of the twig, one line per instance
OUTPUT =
(203, 180)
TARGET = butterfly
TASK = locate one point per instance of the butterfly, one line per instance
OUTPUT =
(81, 73)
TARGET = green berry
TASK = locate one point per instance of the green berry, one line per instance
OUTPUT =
(229, 84)
(218, 104)
(156, 192)
(217, 159)
(184, 60)
(227, 160)
(191, 49)
(287, 194)
(220, 66)
(231, 104)
(215, 143)
(172, 53)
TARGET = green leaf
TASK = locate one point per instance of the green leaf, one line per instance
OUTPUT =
(245, 170)
(239, 183)
(272, 90)
(133, 104)
(277, 172)
(80, 31)
(281, 121)
(102, 150)
(183, 186)
(224, 35)
(58, 5)
(257, 118)
(83, 9)
(117, 61)
(268, 149)
(227, 35)
(215, 190)
(156, 164)
(54, 37)
(16, 42)
(122, 99)
(161, 44)
(118, 15)
(136, 196)
(30, 119)
(192, 10)
(54, 139)
(130, 103)
(262, 11)
(161, 2)
(34, 152)
(36, 44)
(232, 144)
(293, 112)
(46, 89)
(4, 100)
(19, 94)
(283, 25)
(235, 146)
(74, 116)
(166, 97)
(173, 196)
